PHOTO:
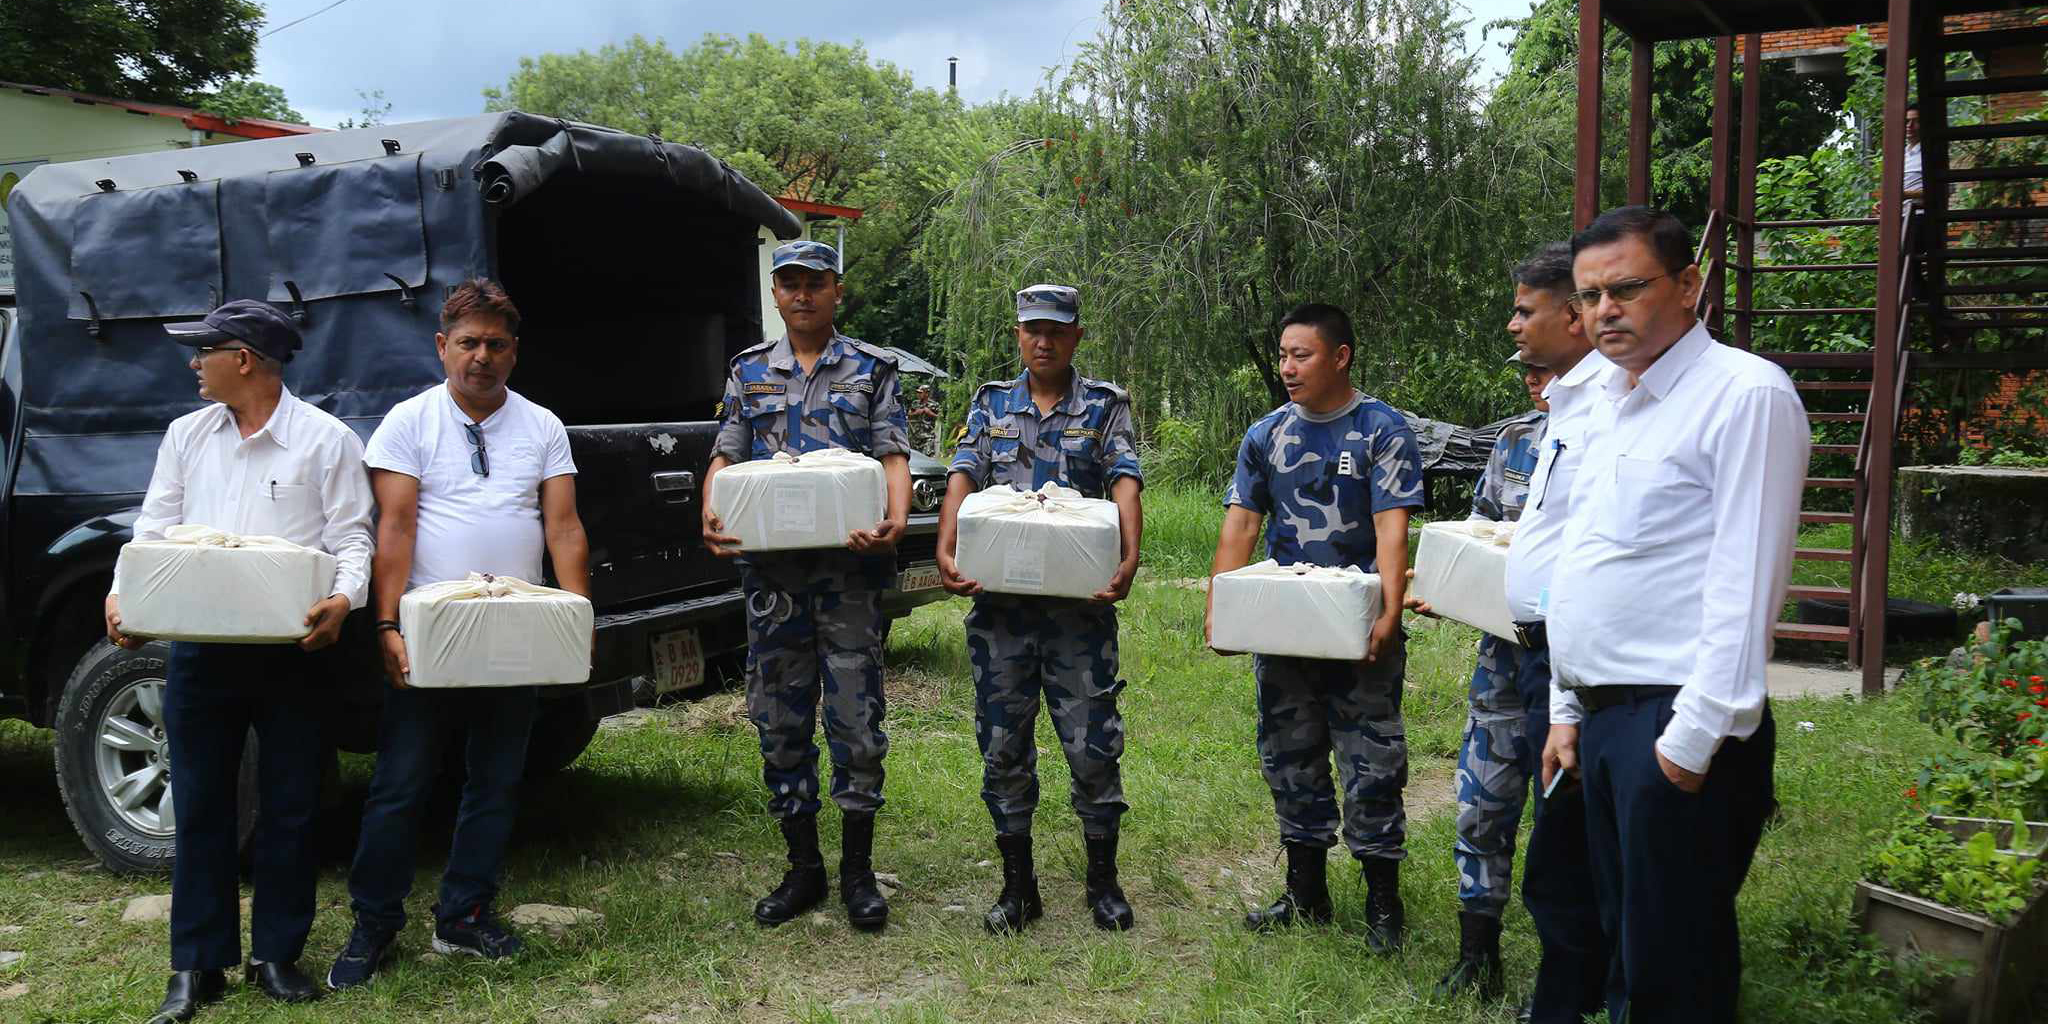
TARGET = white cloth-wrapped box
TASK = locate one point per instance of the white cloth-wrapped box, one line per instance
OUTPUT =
(1051, 542)
(204, 585)
(495, 631)
(791, 502)
(1461, 572)
(1297, 611)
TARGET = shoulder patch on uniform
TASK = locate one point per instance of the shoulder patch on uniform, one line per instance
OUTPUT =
(994, 431)
(876, 351)
(1114, 389)
(751, 350)
(844, 387)
(1515, 476)
(765, 388)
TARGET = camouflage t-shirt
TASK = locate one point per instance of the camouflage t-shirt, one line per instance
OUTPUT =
(1320, 479)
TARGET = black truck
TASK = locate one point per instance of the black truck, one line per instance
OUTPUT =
(636, 267)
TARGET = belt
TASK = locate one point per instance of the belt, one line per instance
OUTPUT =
(1532, 635)
(1596, 699)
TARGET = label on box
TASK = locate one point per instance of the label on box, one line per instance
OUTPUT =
(796, 508)
(1024, 566)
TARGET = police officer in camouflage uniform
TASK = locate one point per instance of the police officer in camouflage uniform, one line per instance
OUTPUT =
(814, 619)
(1339, 473)
(1510, 700)
(1050, 425)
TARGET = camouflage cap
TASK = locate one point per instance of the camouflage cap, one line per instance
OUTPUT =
(804, 253)
(1049, 302)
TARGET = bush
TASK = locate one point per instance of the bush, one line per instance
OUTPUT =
(1996, 705)
(1973, 876)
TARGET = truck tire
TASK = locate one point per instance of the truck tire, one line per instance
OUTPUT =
(113, 764)
(556, 742)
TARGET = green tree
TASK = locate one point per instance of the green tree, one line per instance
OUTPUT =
(1207, 164)
(1797, 112)
(247, 97)
(817, 121)
(163, 51)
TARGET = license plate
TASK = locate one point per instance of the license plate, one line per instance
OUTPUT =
(678, 661)
(923, 577)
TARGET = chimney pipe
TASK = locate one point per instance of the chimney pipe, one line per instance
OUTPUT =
(953, 75)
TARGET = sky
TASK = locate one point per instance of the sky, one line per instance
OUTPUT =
(434, 58)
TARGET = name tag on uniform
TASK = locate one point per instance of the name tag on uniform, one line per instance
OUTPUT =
(848, 387)
(1006, 432)
(1515, 476)
(1082, 432)
(767, 389)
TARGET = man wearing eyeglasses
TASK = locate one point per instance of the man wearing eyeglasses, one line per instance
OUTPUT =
(470, 477)
(256, 461)
(1679, 547)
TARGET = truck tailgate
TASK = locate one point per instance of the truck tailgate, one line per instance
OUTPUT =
(639, 491)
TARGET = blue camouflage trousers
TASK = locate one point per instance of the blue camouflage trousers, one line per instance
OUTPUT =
(1504, 734)
(1065, 649)
(819, 639)
(1310, 709)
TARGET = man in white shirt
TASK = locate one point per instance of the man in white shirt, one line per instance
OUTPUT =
(1673, 567)
(470, 477)
(257, 461)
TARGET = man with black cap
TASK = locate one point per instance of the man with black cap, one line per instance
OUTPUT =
(256, 461)
(814, 618)
(1049, 425)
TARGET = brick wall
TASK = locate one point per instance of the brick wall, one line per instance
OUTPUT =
(2001, 407)
(1798, 41)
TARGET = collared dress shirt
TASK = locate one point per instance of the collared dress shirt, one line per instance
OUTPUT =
(1572, 397)
(1679, 546)
(300, 477)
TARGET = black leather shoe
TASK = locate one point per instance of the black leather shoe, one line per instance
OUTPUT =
(866, 909)
(1386, 920)
(1105, 898)
(283, 982)
(1307, 899)
(188, 991)
(803, 885)
(1019, 903)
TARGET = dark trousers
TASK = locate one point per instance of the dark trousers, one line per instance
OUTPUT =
(1667, 864)
(1558, 890)
(418, 725)
(214, 694)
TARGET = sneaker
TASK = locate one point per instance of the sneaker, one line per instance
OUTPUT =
(368, 949)
(476, 933)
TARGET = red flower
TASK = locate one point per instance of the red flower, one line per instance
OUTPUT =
(2024, 715)
(2037, 687)
(2009, 682)
(1912, 792)
(2042, 703)
(2035, 741)
(2034, 679)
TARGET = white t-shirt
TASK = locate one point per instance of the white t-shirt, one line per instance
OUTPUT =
(469, 522)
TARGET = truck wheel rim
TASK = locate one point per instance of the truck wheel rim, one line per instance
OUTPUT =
(134, 759)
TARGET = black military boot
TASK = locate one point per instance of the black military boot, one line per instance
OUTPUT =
(1019, 902)
(1106, 898)
(1307, 899)
(803, 885)
(1478, 967)
(1385, 920)
(865, 907)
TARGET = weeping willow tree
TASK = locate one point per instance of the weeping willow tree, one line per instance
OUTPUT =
(1205, 165)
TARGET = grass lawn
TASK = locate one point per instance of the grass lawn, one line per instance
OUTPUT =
(660, 828)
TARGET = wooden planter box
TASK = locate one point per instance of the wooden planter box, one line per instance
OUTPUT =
(2001, 963)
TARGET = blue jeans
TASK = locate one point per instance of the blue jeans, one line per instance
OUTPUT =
(214, 694)
(493, 724)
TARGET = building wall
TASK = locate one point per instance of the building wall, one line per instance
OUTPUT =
(1799, 42)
